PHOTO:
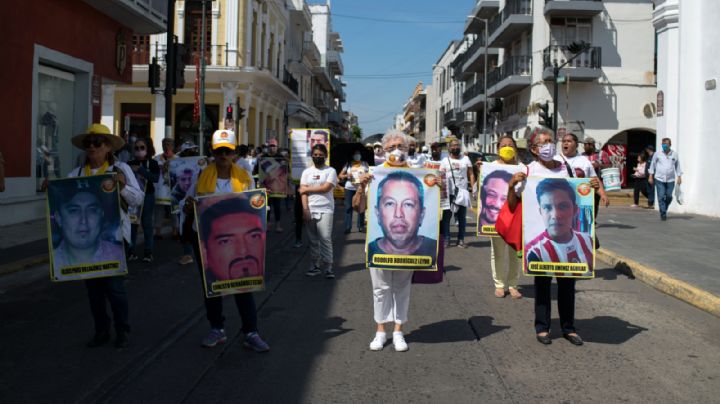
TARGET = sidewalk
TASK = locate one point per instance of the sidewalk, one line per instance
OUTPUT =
(679, 257)
(23, 245)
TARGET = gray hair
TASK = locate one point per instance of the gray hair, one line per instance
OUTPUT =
(393, 134)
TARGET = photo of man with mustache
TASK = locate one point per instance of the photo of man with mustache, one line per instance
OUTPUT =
(233, 240)
(400, 212)
(493, 195)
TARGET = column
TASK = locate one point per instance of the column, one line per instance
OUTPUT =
(215, 48)
(231, 32)
(248, 34)
(107, 109)
(266, 51)
(158, 129)
(180, 26)
(248, 101)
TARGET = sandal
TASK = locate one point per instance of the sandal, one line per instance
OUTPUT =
(500, 293)
(514, 293)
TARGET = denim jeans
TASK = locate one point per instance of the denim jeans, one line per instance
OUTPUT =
(651, 194)
(462, 222)
(276, 206)
(147, 221)
(112, 290)
(665, 195)
(349, 193)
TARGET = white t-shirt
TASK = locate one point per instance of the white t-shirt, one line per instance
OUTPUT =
(354, 172)
(416, 161)
(320, 203)
(245, 165)
(581, 165)
(459, 171)
(536, 169)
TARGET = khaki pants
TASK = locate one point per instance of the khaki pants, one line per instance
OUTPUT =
(505, 264)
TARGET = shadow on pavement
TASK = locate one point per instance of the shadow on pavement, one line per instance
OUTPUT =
(442, 332)
(616, 225)
(607, 330)
(483, 326)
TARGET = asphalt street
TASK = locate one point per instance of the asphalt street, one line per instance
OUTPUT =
(465, 344)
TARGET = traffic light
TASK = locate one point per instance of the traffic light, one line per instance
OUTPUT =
(229, 112)
(181, 54)
(153, 75)
(241, 113)
(544, 117)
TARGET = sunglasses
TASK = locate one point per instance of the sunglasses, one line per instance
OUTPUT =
(224, 151)
(94, 141)
(139, 147)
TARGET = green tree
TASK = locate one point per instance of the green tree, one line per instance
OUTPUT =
(356, 133)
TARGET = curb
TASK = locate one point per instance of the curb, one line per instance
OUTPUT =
(24, 263)
(661, 281)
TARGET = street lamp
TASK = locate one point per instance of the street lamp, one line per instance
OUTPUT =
(485, 62)
(576, 48)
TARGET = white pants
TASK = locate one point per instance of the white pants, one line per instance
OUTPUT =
(505, 264)
(319, 232)
(391, 295)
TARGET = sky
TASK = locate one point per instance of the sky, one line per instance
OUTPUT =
(392, 48)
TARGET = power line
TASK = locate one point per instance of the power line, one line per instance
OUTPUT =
(355, 17)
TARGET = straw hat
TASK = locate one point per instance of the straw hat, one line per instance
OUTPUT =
(116, 142)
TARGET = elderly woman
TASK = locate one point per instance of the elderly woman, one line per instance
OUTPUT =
(391, 289)
(99, 145)
(548, 164)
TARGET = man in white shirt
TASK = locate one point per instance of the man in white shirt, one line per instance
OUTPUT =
(665, 172)
(459, 174)
(415, 159)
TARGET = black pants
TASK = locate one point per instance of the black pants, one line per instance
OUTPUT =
(641, 186)
(110, 289)
(276, 206)
(214, 305)
(566, 304)
(298, 216)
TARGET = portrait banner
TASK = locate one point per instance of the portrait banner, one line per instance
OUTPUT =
(184, 173)
(84, 228)
(403, 212)
(494, 180)
(273, 175)
(162, 187)
(231, 234)
(301, 144)
(558, 227)
(135, 212)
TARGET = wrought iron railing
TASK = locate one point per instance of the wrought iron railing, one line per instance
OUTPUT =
(556, 55)
(512, 66)
(523, 7)
(474, 90)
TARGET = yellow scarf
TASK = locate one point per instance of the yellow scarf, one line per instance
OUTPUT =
(207, 181)
(87, 171)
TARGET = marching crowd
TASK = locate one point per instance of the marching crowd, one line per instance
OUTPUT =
(232, 169)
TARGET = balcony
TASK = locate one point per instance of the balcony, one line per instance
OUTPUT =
(311, 51)
(512, 76)
(334, 62)
(515, 18)
(463, 118)
(290, 82)
(572, 8)
(338, 90)
(143, 54)
(484, 9)
(335, 117)
(323, 78)
(474, 57)
(474, 96)
(141, 16)
(586, 67)
(321, 103)
(449, 118)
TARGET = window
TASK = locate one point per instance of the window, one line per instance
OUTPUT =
(564, 31)
(193, 29)
(140, 49)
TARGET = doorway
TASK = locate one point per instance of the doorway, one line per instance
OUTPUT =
(631, 143)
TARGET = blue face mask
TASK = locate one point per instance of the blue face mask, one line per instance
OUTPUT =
(665, 147)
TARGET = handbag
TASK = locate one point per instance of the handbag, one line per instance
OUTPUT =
(509, 225)
(359, 201)
(433, 276)
(456, 190)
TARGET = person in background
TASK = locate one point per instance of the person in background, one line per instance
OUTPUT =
(162, 187)
(145, 167)
(274, 203)
(187, 149)
(641, 185)
(581, 166)
(599, 161)
(460, 175)
(351, 174)
(125, 154)
(665, 173)
(379, 153)
(649, 151)
(415, 159)
(426, 152)
(2, 173)
(242, 159)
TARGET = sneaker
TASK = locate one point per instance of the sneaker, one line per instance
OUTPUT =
(186, 259)
(121, 340)
(132, 257)
(148, 258)
(399, 342)
(298, 244)
(461, 244)
(313, 272)
(215, 337)
(254, 342)
(634, 206)
(329, 274)
(100, 339)
(378, 342)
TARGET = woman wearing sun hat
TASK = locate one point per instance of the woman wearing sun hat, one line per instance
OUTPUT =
(99, 144)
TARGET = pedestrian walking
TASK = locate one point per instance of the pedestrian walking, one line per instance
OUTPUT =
(187, 149)
(548, 164)
(351, 174)
(242, 160)
(221, 177)
(649, 151)
(99, 144)
(460, 176)
(316, 190)
(665, 174)
(641, 183)
(148, 169)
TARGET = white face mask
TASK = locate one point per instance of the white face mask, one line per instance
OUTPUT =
(397, 157)
(546, 152)
(357, 157)
(140, 154)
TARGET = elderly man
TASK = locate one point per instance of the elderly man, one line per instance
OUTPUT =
(665, 172)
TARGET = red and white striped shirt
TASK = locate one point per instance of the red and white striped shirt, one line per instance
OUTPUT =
(578, 250)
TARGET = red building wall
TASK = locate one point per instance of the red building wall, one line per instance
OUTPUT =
(68, 26)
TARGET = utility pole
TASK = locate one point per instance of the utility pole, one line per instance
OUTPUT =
(201, 137)
(169, 67)
(576, 48)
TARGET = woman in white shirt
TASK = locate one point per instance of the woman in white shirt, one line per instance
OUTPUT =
(459, 174)
(351, 173)
(316, 190)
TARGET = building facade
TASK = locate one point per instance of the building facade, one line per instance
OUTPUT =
(55, 91)
(687, 37)
(414, 112)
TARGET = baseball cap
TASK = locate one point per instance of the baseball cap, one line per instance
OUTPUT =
(223, 138)
(187, 146)
(589, 140)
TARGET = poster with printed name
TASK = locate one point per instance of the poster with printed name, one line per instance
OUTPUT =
(301, 144)
(184, 173)
(494, 180)
(162, 187)
(231, 232)
(135, 212)
(85, 228)
(558, 227)
(273, 175)
(403, 212)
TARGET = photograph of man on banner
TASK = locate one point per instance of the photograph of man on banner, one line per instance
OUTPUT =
(232, 230)
(403, 219)
(183, 176)
(85, 235)
(558, 228)
(494, 179)
(301, 142)
(273, 175)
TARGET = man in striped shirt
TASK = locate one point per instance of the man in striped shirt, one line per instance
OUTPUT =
(559, 243)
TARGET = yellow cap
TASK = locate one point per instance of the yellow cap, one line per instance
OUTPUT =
(223, 138)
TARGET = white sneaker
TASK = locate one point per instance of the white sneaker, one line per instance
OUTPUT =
(399, 342)
(378, 343)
